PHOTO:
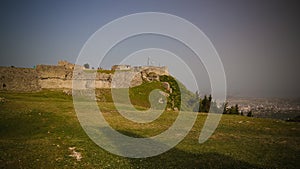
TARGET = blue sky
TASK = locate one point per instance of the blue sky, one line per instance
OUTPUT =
(257, 40)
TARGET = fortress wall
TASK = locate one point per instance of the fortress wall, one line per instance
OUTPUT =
(60, 76)
(18, 79)
(124, 79)
(67, 84)
(102, 84)
(157, 70)
(66, 64)
(51, 71)
(55, 83)
(51, 77)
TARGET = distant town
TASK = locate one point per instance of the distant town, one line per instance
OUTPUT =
(278, 108)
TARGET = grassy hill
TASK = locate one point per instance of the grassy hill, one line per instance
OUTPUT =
(139, 94)
(41, 130)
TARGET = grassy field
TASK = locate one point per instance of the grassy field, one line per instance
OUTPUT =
(41, 130)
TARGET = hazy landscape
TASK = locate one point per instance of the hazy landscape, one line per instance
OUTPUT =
(276, 108)
(40, 129)
(157, 84)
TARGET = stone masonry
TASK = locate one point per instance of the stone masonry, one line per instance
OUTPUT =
(60, 76)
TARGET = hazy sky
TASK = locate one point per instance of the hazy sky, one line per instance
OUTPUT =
(258, 40)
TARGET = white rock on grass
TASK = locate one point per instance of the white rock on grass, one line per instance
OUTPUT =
(75, 154)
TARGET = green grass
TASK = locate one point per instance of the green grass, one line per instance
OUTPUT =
(138, 95)
(37, 129)
(99, 71)
(106, 71)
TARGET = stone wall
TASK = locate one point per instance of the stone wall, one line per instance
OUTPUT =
(52, 76)
(53, 72)
(19, 79)
(60, 77)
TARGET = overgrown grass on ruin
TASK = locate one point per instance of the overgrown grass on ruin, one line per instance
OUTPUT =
(105, 71)
(37, 130)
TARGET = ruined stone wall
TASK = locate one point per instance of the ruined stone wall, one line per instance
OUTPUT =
(60, 77)
(19, 79)
(53, 72)
(51, 76)
(154, 69)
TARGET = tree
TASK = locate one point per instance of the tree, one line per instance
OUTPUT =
(231, 110)
(87, 66)
(249, 114)
(209, 98)
(225, 110)
(205, 104)
(234, 109)
(208, 104)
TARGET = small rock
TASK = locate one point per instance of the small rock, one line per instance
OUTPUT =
(67, 92)
(2, 100)
(75, 154)
(164, 93)
(166, 85)
(72, 148)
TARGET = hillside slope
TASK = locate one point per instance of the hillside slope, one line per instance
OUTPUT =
(178, 95)
(41, 130)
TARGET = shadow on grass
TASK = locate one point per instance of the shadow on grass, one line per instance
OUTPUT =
(177, 158)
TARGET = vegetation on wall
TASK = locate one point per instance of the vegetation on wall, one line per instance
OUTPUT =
(174, 100)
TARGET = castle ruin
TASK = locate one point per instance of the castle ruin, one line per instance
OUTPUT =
(60, 76)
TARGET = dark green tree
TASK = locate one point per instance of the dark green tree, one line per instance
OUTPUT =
(208, 104)
(249, 114)
(210, 98)
(225, 110)
(87, 66)
(204, 104)
(234, 109)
